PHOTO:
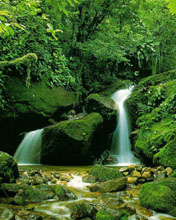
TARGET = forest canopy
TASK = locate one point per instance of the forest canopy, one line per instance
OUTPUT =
(85, 45)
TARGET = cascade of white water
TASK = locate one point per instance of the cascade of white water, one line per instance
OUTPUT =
(29, 150)
(121, 147)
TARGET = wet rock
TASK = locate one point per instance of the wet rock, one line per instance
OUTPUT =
(6, 214)
(139, 168)
(126, 173)
(104, 173)
(123, 169)
(109, 202)
(9, 189)
(89, 179)
(26, 215)
(63, 193)
(132, 180)
(32, 195)
(111, 214)
(37, 180)
(131, 210)
(131, 167)
(160, 175)
(146, 175)
(65, 177)
(109, 186)
(8, 168)
(136, 173)
(169, 171)
(81, 211)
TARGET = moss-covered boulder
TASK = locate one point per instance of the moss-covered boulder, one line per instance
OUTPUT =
(63, 193)
(103, 173)
(104, 106)
(111, 214)
(159, 195)
(8, 168)
(33, 194)
(83, 210)
(114, 185)
(72, 142)
(29, 109)
(167, 155)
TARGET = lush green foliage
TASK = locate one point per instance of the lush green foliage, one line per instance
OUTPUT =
(87, 44)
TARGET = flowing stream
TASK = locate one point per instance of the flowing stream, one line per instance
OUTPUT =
(29, 150)
(121, 147)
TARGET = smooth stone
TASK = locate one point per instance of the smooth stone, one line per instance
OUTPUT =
(136, 173)
(109, 186)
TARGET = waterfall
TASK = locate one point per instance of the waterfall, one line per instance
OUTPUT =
(29, 150)
(121, 147)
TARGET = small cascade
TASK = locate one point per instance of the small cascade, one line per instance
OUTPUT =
(121, 147)
(29, 150)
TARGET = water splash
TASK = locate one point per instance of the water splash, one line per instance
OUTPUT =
(121, 147)
(29, 150)
(77, 183)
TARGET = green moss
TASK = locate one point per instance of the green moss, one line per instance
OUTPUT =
(8, 168)
(104, 106)
(157, 79)
(111, 214)
(25, 60)
(159, 195)
(104, 174)
(38, 98)
(119, 84)
(74, 138)
(167, 155)
(83, 210)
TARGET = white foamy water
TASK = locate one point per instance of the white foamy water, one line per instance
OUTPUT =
(29, 150)
(77, 183)
(121, 147)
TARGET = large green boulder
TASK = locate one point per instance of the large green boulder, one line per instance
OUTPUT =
(72, 142)
(167, 155)
(104, 106)
(8, 168)
(29, 109)
(103, 173)
(159, 195)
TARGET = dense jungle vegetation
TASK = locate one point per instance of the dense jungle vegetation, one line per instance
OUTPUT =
(85, 45)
